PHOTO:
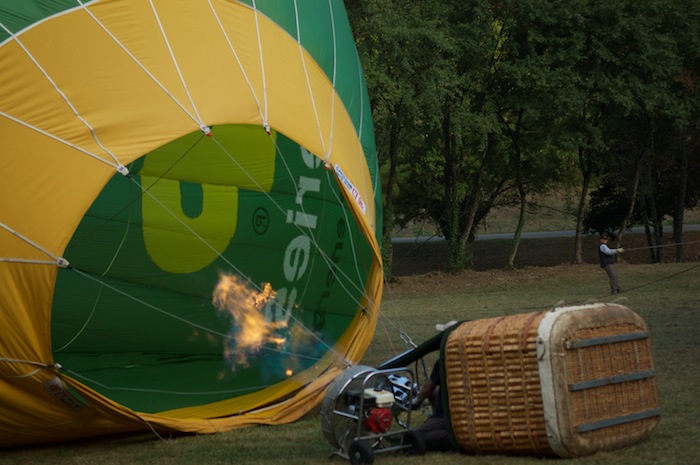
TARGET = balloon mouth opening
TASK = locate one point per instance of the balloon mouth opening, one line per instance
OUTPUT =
(222, 267)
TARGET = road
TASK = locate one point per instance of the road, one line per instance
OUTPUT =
(529, 235)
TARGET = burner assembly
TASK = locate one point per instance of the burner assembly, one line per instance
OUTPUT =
(367, 411)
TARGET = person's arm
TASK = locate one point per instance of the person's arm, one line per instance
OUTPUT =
(607, 250)
(425, 391)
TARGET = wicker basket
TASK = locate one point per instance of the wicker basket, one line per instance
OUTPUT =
(567, 382)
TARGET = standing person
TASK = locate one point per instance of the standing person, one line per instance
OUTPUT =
(607, 262)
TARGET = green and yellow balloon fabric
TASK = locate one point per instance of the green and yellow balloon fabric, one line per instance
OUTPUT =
(151, 152)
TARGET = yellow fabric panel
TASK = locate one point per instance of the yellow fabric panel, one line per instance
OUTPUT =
(35, 414)
(135, 26)
(203, 419)
(105, 86)
(285, 412)
(25, 315)
(210, 70)
(58, 183)
(116, 96)
(38, 415)
(49, 178)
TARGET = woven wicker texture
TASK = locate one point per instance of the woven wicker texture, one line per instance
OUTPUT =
(493, 386)
(613, 400)
(591, 387)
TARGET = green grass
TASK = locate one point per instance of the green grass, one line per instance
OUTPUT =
(665, 295)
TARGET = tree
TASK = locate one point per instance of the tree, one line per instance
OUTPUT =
(532, 75)
(455, 161)
(646, 110)
(390, 38)
(487, 102)
(476, 166)
(684, 21)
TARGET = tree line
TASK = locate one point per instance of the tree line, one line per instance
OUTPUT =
(484, 103)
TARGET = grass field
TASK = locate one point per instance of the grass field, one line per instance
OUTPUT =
(665, 295)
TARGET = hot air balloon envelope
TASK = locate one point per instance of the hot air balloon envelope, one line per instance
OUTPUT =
(189, 214)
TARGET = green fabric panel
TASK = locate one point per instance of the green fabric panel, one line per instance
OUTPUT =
(341, 65)
(141, 328)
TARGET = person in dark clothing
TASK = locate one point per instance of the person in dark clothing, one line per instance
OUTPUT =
(607, 262)
(434, 428)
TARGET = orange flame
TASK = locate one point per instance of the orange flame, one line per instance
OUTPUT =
(236, 299)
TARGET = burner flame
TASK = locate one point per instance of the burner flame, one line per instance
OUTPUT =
(236, 299)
